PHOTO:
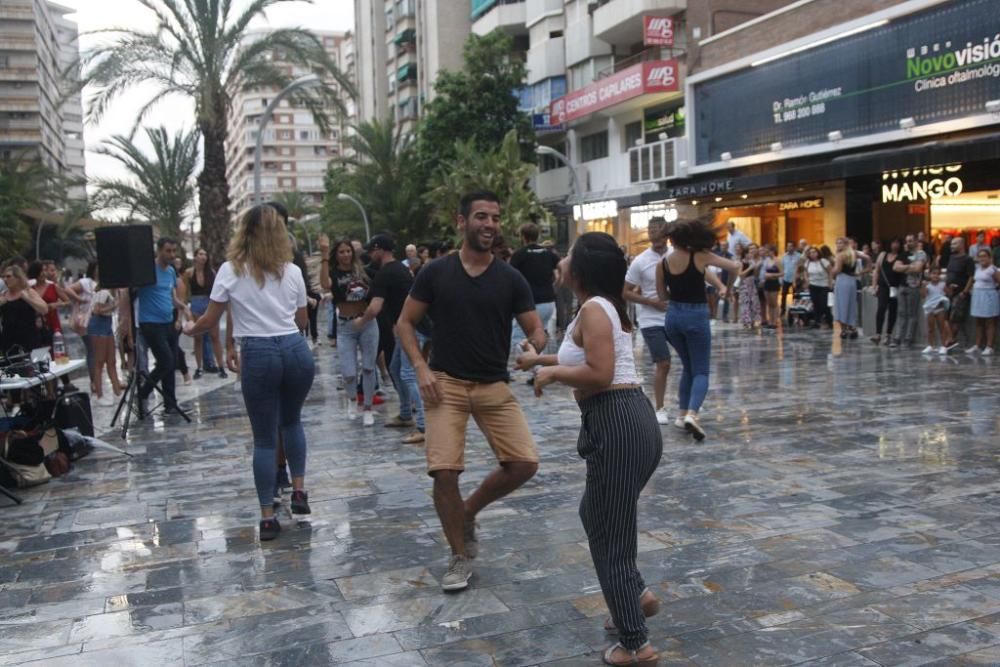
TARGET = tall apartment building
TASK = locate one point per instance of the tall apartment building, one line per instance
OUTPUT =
(37, 44)
(402, 46)
(295, 152)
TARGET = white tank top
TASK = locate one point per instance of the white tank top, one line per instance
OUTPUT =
(571, 354)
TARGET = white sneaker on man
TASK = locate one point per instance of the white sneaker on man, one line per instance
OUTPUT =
(942, 350)
(679, 423)
(987, 352)
(352, 409)
(930, 349)
(368, 418)
(972, 350)
(662, 417)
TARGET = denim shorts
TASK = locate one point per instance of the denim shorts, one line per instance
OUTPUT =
(99, 325)
(656, 341)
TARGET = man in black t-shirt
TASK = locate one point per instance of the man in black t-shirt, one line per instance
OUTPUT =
(538, 266)
(390, 286)
(471, 297)
(961, 270)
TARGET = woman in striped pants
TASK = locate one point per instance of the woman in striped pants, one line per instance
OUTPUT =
(620, 438)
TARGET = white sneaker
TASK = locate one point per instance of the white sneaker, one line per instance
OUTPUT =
(930, 349)
(972, 350)
(679, 423)
(987, 352)
(662, 417)
(942, 350)
(352, 409)
(368, 418)
(692, 426)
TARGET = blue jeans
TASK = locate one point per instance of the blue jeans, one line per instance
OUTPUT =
(408, 379)
(690, 334)
(277, 373)
(545, 312)
(331, 313)
(349, 341)
(199, 304)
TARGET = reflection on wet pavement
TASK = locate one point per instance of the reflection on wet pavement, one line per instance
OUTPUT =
(843, 511)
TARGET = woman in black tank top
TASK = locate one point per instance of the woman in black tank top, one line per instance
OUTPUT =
(681, 279)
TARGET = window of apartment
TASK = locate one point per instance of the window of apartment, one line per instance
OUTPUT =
(319, 150)
(4, 62)
(633, 133)
(304, 134)
(263, 101)
(287, 135)
(548, 162)
(286, 166)
(594, 146)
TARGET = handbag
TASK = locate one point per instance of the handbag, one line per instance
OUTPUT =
(24, 475)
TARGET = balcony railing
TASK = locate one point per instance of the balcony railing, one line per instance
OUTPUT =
(653, 162)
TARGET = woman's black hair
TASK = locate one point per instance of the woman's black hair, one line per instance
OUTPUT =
(695, 234)
(34, 270)
(598, 266)
(91, 270)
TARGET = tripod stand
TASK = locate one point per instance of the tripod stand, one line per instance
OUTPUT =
(130, 397)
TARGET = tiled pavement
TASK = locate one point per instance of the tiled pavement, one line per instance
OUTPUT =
(844, 511)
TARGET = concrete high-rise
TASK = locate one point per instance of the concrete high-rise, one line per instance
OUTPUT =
(402, 46)
(38, 47)
(295, 151)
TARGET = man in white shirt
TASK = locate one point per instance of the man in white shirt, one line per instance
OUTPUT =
(736, 237)
(640, 288)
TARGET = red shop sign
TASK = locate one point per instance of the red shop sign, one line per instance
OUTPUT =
(657, 31)
(654, 76)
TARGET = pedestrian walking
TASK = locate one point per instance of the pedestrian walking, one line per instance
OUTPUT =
(640, 289)
(471, 297)
(207, 347)
(619, 436)
(266, 294)
(681, 278)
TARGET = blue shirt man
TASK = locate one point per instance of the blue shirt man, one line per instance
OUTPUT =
(156, 323)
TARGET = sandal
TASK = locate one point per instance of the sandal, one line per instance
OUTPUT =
(650, 607)
(630, 657)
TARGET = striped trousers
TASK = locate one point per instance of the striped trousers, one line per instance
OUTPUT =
(621, 442)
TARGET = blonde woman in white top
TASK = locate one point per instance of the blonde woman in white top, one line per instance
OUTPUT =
(266, 295)
(620, 438)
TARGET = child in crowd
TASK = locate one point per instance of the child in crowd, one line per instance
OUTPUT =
(936, 306)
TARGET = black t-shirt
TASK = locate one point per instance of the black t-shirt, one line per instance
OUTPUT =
(536, 264)
(348, 287)
(392, 283)
(960, 269)
(472, 316)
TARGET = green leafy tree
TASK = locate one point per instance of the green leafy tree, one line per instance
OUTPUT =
(199, 49)
(384, 176)
(477, 104)
(500, 170)
(159, 187)
(24, 185)
(70, 236)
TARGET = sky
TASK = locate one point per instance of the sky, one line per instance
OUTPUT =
(174, 113)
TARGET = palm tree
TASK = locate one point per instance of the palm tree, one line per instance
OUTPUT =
(69, 237)
(25, 183)
(159, 188)
(200, 49)
(384, 176)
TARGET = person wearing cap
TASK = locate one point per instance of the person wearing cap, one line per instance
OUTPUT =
(390, 286)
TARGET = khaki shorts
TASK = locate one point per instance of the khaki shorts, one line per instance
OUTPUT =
(497, 413)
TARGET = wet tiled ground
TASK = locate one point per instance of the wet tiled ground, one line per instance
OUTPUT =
(844, 511)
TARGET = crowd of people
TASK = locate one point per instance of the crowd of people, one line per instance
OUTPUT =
(814, 286)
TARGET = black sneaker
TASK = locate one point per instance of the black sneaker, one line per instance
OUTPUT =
(269, 529)
(222, 374)
(211, 369)
(300, 503)
(197, 373)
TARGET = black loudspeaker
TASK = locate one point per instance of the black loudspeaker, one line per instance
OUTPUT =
(73, 411)
(125, 256)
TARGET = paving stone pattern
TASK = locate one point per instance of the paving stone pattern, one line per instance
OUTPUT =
(842, 512)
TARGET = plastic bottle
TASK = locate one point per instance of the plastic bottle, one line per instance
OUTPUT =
(59, 348)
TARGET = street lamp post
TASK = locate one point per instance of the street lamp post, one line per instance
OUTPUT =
(574, 179)
(346, 197)
(38, 234)
(306, 81)
(305, 229)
